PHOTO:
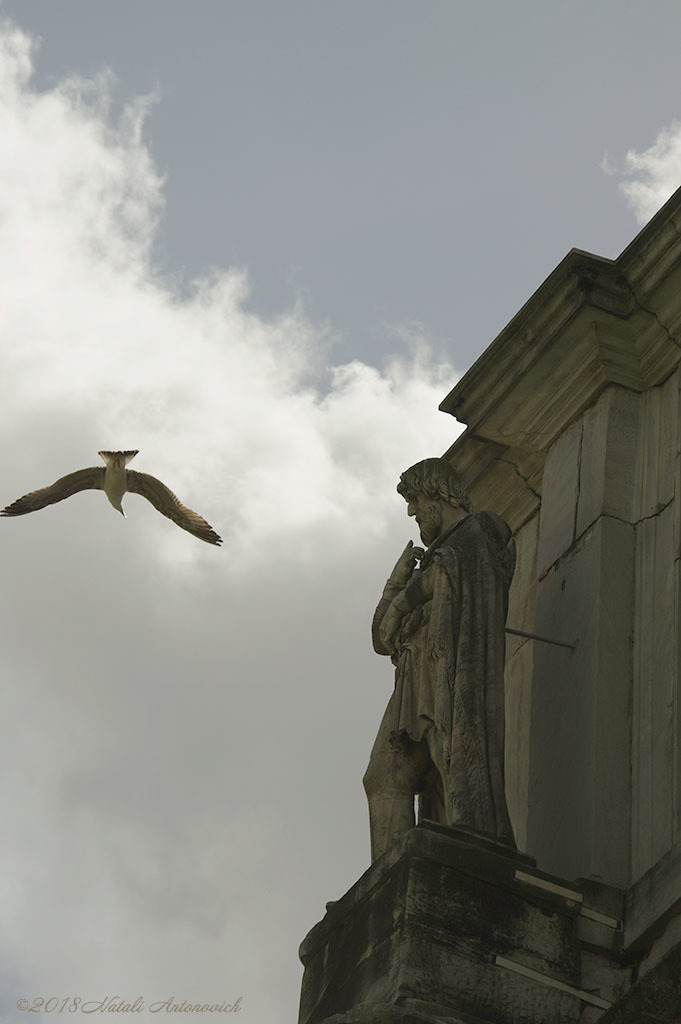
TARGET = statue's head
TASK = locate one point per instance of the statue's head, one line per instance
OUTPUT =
(434, 496)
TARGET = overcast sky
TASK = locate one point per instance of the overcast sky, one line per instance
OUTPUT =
(259, 241)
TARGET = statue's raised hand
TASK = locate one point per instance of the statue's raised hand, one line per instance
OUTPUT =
(404, 566)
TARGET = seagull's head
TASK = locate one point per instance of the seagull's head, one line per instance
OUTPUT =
(117, 502)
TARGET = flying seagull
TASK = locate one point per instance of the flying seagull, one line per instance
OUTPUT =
(114, 479)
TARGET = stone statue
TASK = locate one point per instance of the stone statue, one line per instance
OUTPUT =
(441, 619)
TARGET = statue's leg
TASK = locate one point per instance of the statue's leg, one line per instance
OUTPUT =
(396, 767)
(432, 806)
(463, 806)
(453, 783)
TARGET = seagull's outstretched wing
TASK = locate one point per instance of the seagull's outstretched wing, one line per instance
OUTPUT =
(81, 480)
(163, 499)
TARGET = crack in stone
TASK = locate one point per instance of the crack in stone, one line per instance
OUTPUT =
(658, 511)
(611, 515)
(578, 541)
(524, 479)
(572, 550)
(651, 312)
(579, 480)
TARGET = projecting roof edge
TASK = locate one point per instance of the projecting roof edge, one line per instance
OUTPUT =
(615, 288)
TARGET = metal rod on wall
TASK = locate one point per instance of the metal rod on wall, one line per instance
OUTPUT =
(543, 639)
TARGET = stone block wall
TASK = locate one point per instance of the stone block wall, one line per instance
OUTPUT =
(594, 734)
(656, 692)
(519, 670)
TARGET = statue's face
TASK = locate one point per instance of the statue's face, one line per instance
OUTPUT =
(428, 514)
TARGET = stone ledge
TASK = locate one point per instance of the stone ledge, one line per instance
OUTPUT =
(655, 999)
(632, 297)
(447, 926)
(652, 901)
(416, 1012)
(463, 848)
(592, 323)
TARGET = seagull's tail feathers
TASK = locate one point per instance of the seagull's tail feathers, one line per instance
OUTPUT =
(118, 459)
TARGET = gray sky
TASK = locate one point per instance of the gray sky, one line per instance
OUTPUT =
(381, 159)
(265, 275)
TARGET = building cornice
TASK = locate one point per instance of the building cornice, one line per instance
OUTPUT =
(593, 322)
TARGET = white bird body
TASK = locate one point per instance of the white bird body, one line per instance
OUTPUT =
(116, 477)
(115, 480)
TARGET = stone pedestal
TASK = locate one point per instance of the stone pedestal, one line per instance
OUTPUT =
(450, 927)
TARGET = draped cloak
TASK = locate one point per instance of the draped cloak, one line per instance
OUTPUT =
(450, 667)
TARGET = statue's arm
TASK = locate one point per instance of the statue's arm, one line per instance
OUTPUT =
(393, 594)
(419, 589)
(390, 592)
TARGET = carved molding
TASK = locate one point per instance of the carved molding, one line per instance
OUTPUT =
(594, 322)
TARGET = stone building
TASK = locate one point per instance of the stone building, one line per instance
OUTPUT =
(574, 437)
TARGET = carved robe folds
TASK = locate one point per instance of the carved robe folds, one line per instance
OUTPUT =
(442, 734)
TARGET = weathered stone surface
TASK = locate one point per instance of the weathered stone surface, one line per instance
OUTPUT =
(581, 726)
(656, 448)
(603, 974)
(655, 999)
(523, 592)
(656, 688)
(427, 922)
(652, 901)
(415, 1012)
(608, 460)
(666, 941)
(560, 490)
(518, 677)
(592, 322)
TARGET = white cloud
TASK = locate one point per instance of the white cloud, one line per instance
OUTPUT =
(653, 174)
(244, 398)
(184, 728)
